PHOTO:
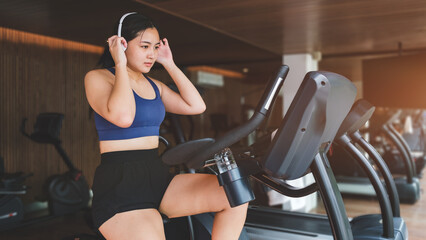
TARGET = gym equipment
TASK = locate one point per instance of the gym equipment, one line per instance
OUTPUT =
(392, 226)
(300, 144)
(415, 143)
(352, 180)
(11, 206)
(303, 138)
(280, 224)
(408, 186)
(68, 192)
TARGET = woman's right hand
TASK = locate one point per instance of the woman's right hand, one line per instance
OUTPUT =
(116, 50)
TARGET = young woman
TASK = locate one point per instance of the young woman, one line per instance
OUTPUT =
(131, 185)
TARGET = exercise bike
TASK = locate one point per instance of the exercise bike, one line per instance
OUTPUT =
(67, 192)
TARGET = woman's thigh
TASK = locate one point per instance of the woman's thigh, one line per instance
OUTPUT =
(190, 194)
(137, 224)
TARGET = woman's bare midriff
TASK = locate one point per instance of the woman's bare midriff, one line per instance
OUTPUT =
(141, 143)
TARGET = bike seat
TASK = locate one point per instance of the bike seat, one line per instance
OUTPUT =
(183, 152)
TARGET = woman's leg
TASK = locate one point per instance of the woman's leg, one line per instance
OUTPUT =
(137, 224)
(190, 194)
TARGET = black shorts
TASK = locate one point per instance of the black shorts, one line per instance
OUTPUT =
(128, 180)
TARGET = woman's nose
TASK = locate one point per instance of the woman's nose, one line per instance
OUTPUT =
(151, 53)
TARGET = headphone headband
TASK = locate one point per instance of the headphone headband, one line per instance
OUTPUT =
(121, 22)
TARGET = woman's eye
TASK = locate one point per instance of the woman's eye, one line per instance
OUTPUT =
(157, 47)
(144, 47)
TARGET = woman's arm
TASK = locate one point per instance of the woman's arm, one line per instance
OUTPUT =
(113, 100)
(188, 101)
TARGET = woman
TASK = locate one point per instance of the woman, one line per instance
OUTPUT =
(131, 185)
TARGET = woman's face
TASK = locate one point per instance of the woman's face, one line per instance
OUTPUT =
(142, 51)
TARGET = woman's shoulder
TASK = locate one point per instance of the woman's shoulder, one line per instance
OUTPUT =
(99, 75)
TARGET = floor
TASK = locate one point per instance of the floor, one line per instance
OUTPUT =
(414, 215)
(63, 228)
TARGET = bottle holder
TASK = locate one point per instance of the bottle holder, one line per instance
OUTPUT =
(237, 187)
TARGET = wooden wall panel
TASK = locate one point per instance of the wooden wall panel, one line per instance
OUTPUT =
(327, 26)
(44, 74)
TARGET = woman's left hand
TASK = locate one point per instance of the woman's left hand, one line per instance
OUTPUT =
(165, 56)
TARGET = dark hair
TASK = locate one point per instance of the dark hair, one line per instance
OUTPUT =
(132, 25)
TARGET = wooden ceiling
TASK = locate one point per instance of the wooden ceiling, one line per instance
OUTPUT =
(328, 26)
(246, 32)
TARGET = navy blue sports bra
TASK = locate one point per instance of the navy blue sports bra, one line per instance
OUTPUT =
(148, 118)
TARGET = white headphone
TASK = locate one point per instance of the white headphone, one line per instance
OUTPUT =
(120, 24)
